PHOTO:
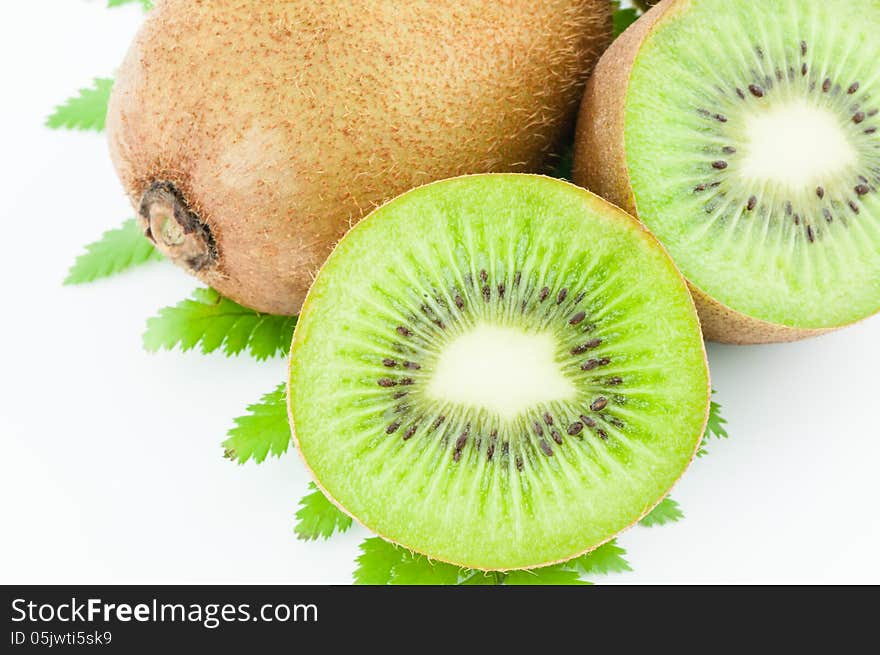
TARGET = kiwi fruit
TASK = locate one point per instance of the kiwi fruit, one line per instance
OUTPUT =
(251, 134)
(498, 371)
(744, 135)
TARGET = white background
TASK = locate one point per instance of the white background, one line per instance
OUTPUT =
(111, 466)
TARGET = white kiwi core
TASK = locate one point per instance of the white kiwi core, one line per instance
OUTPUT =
(796, 145)
(503, 370)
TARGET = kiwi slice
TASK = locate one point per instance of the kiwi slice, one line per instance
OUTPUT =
(745, 136)
(498, 371)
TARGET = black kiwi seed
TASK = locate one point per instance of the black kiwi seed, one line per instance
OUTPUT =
(543, 295)
(858, 117)
(803, 48)
(584, 347)
(548, 419)
(577, 318)
(593, 364)
(788, 208)
(545, 448)
(804, 70)
(797, 219)
(391, 429)
(590, 423)
(862, 189)
(575, 428)
(387, 382)
(599, 404)
(614, 382)
(460, 443)
(616, 422)
(721, 118)
(459, 302)
(412, 366)
(810, 235)
(563, 294)
(853, 206)
(826, 85)
(519, 463)
(729, 150)
(539, 430)
(820, 192)
(740, 93)
(756, 90)
(719, 165)
(852, 89)
(556, 436)
(410, 431)
(403, 331)
(399, 394)
(752, 203)
(827, 213)
(390, 363)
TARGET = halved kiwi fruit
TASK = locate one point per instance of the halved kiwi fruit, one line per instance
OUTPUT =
(498, 371)
(745, 136)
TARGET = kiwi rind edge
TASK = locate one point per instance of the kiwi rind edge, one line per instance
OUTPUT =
(305, 308)
(600, 165)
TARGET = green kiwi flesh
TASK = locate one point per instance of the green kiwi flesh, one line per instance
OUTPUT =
(753, 151)
(498, 371)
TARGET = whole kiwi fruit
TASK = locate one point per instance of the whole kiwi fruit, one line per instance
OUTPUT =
(251, 134)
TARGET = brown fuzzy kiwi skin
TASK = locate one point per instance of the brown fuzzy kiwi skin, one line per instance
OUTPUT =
(278, 125)
(600, 165)
(623, 216)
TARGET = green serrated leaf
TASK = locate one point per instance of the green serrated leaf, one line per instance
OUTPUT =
(263, 431)
(116, 251)
(563, 167)
(714, 428)
(86, 111)
(623, 18)
(213, 322)
(377, 561)
(419, 570)
(146, 4)
(668, 511)
(607, 558)
(318, 517)
(472, 578)
(558, 574)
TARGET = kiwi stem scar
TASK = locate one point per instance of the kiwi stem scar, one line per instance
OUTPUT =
(175, 229)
